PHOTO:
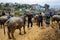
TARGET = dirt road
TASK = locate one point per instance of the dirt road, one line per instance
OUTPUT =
(34, 33)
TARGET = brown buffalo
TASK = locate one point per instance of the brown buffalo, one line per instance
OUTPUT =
(15, 23)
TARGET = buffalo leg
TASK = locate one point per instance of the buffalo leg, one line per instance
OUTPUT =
(28, 24)
(59, 25)
(1, 25)
(4, 30)
(20, 31)
(9, 35)
(12, 34)
(9, 31)
(24, 29)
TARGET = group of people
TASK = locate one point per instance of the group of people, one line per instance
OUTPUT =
(30, 16)
(17, 22)
(40, 19)
(4, 14)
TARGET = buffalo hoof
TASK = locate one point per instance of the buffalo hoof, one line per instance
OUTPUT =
(10, 38)
(14, 38)
(24, 32)
(19, 33)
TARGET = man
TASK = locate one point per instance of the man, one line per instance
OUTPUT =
(40, 20)
(24, 19)
(30, 20)
(48, 19)
(33, 14)
(9, 15)
(3, 13)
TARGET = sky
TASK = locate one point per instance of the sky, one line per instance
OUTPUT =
(52, 3)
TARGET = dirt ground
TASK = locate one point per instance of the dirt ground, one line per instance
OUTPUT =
(34, 33)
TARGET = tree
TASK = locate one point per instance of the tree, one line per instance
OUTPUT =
(7, 5)
(46, 6)
(0, 6)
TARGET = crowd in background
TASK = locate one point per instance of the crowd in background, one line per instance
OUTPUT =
(40, 17)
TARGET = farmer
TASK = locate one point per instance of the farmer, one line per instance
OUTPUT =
(40, 20)
(33, 14)
(25, 19)
(47, 19)
(30, 20)
(9, 15)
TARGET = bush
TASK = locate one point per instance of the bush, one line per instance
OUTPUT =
(18, 12)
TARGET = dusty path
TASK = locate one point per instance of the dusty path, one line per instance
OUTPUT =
(30, 35)
(35, 33)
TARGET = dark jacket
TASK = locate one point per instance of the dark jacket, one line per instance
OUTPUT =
(29, 17)
(40, 18)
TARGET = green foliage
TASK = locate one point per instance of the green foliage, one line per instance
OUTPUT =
(37, 12)
(58, 13)
(46, 6)
(18, 12)
(7, 5)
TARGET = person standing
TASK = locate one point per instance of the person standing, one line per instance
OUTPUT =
(40, 20)
(25, 19)
(9, 15)
(3, 13)
(48, 19)
(30, 20)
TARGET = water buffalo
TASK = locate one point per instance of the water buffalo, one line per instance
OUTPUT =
(56, 18)
(3, 19)
(15, 23)
(36, 17)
